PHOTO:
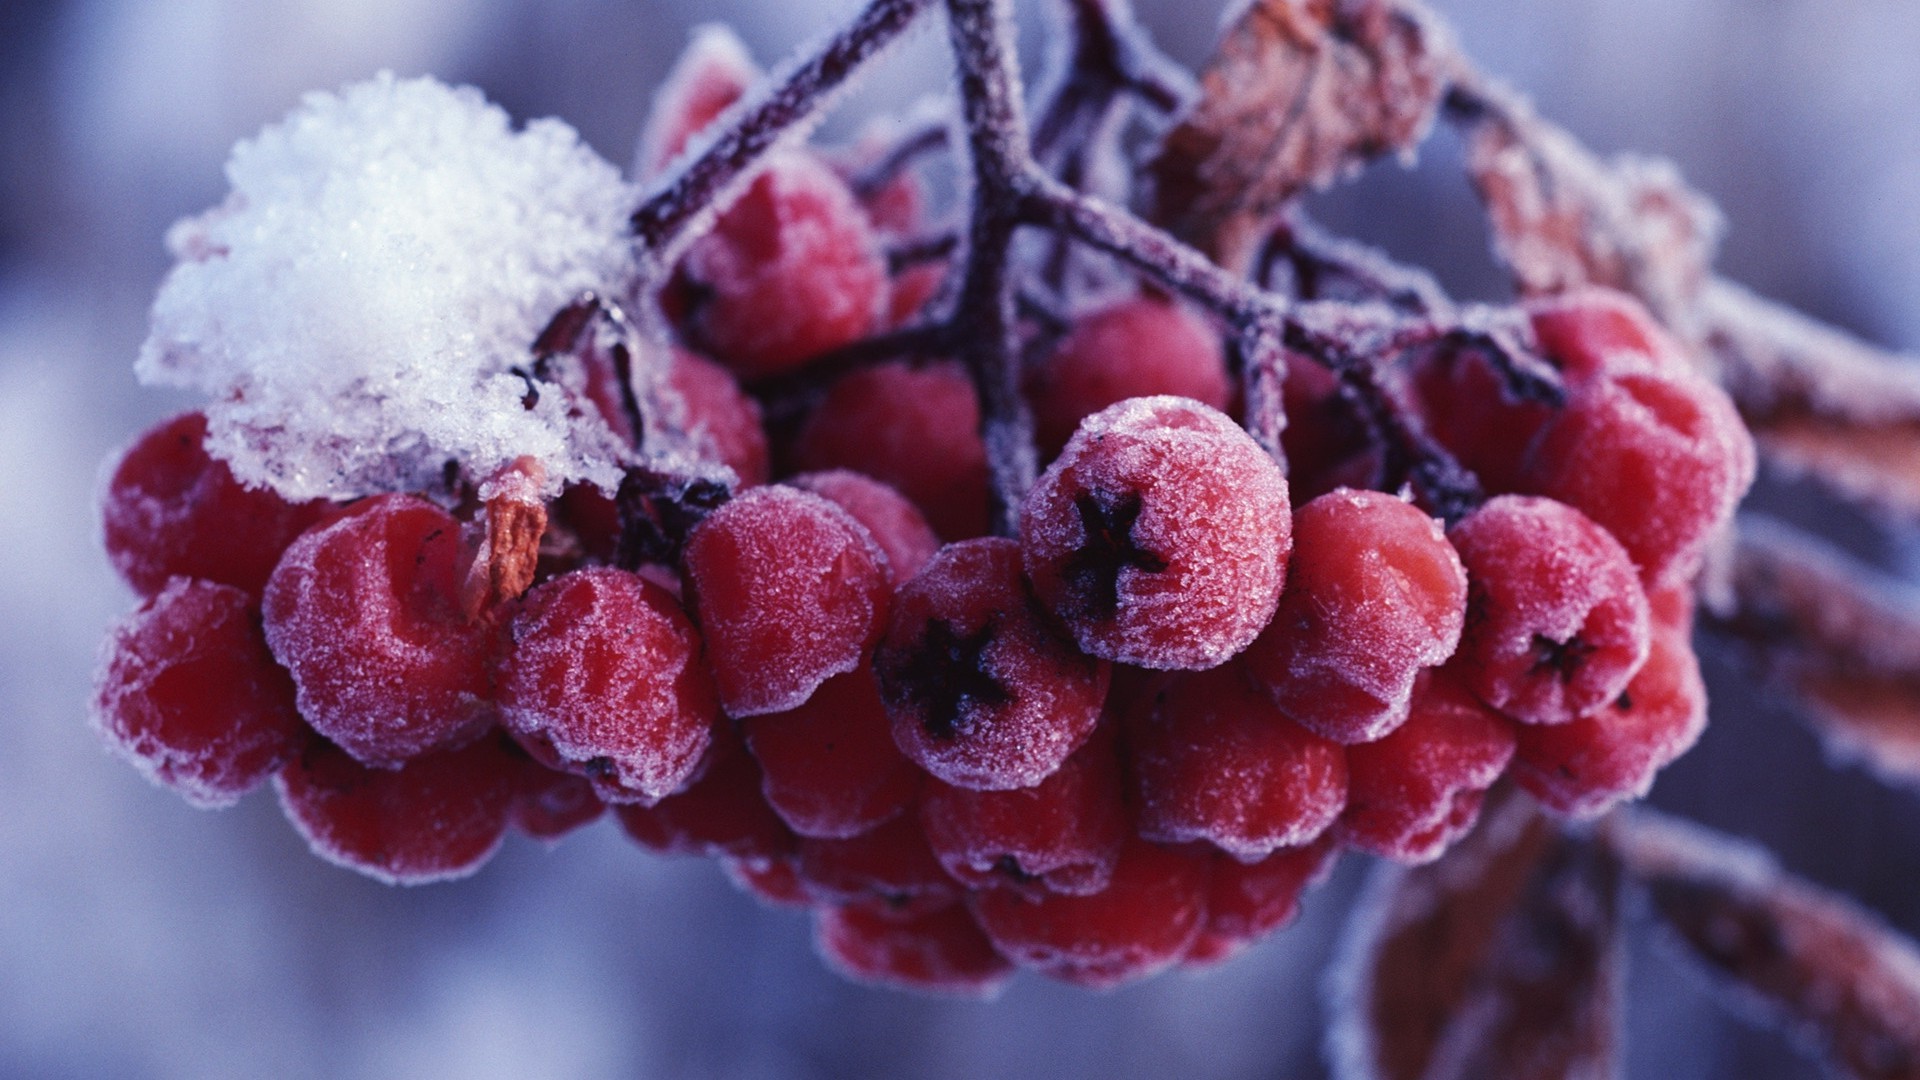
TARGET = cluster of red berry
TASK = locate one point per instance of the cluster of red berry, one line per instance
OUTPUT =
(1126, 739)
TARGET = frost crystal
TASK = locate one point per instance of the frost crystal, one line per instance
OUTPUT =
(386, 258)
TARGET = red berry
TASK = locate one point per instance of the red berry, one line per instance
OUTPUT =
(439, 816)
(1413, 793)
(1214, 760)
(774, 882)
(187, 692)
(1326, 442)
(896, 525)
(1137, 347)
(982, 692)
(790, 270)
(721, 419)
(552, 804)
(790, 591)
(1556, 617)
(829, 768)
(890, 865)
(1143, 923)
(1248, 901)
(1062, 835)
(940, 952)
(917, 429)
(365, 612)
(720, 813)
(1160, 535)
(713, 73)
(603, 678)
(1594, 332)
(171, 510)
(1468, 406)
(1375, 594)
(1586, 767)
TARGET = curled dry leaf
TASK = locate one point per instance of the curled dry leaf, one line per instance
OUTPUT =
(1562, 217)
(1844, 639)
(1299, 92)
(1820, 403)
(1843, 981)
(1501, 960)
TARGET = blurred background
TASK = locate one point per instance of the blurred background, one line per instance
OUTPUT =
(140, 938)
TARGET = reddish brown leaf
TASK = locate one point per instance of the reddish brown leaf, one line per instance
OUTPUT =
(1298, 92)
(509, 553)
(1843, 982)
(1562, 217)
(1843, 638)
(1501, 960)
(1820, 403)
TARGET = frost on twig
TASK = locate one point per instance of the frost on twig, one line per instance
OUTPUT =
(1298, 93)
(1500, 960)
(1844, 983)
(1562, 217)
(1820, 403)
(1843, 638)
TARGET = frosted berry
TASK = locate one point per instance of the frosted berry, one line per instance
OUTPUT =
(1593, 333)
(187, 691)
(1214, 760)
(830, 768)
(602, 676)
(439, 816)
(1326, 441)
(774, 882)
(982, 692)
(1375, 594)
(790, 591)
(790, 270)
(1248, 901)
(1586, 767)
(1413, 793)
(1136, 347)
(1556, 619)
(551, 804)
(1062, 835)
(172, 510)
(722, 812)
(1467, 404)
(939, 952)
(890, 866)
(714, 72)
(1142, 924)
(366, 614)
(1160, 535)
(915, 428)
(897, 526)
(719, 417)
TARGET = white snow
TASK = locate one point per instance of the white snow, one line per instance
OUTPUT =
(388, 254)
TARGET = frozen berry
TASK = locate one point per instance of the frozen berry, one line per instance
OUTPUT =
(890, 865)
(830, 768)
(1143, 923)
(939, 952)
(721, 813)
(1062, 835)
(774, 882)
(712, 74)
(916, 428)
(900, 529)
(1137, 347)
(790, 591)
(440, 816)
(171, 510)
(366, 614)
(1468, 405)
(793, 268)
(719, 417)
(552, 804)
(1375, 594)
(1160, 535)
(603, 677)
(1248, 901)
(1556, 618)
(1413, 793)
(187, 692)
(982, 692)
(1326, 442)
(1214, 760)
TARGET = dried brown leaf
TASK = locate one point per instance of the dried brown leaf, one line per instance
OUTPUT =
(1844, 982)
(1562, 217)
(1298, 93)
(1821, 403)
(1843, 638)
(1501, 960)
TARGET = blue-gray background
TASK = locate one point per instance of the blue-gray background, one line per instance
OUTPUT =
(140, 938)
